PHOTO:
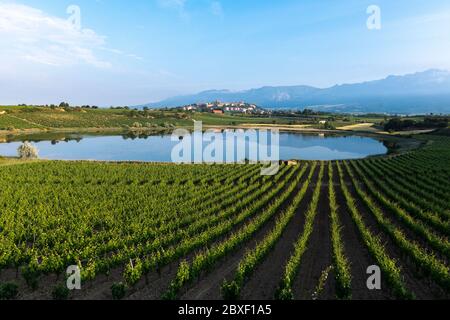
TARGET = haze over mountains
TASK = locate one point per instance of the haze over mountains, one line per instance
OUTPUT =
(422, 92)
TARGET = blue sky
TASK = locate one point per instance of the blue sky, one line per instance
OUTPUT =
(138, 51)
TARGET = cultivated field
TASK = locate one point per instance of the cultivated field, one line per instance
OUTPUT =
(146, 231)
(15, 119)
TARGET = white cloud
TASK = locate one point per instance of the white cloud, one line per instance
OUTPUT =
(29, 34)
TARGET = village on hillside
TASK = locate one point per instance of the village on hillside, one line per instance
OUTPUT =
(218, 107)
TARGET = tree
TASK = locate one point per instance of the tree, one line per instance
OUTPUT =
(329, 126)
(27, 151)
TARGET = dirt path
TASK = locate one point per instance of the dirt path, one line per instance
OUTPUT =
(265, 280)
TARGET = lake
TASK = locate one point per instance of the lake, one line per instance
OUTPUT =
(158, 148)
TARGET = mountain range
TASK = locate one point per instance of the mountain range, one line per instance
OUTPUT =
(418, 93)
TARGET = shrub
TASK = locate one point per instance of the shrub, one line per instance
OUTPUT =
(27, 151)
(133, 272)
(31, 277)
(8, 291)
(60, 292)
(168, 125)
(329, 126)
(151, 125)
(137, 125)
(118, 291)
(230, 291)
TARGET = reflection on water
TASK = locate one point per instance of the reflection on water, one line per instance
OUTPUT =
(158, 148)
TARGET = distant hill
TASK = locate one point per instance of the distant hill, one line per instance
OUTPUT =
(422, 92)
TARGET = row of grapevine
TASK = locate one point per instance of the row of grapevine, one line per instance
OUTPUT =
(171, 246)
(341, 263)
(194, 216)
(284, 291)
(231, 290)
(373, 243)
(419, 189)
(175, 245)
(407, 201)
(427, 262)
(438, 243)
(404, 168)
(206, 259)
(49, 252)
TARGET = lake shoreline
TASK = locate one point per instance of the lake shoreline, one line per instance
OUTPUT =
(281, 128)
(396, 145)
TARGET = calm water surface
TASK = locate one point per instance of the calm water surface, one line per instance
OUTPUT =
(158, 148)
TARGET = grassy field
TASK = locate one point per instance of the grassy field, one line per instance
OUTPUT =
(57, 118)
(147, 231)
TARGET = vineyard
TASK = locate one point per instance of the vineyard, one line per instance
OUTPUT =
(17, 119)
(155, 231)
